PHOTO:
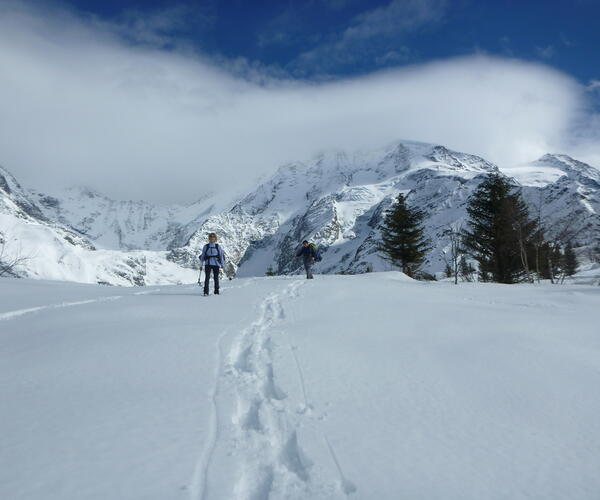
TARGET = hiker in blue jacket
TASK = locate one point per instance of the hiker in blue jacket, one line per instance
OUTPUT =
(213, 260)
(309, 255)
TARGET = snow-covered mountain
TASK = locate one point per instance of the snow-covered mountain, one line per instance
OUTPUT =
(567, 192)
(50, 249)
(336, 199)
(126, 225)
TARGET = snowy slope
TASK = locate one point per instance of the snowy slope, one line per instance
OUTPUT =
(127, 225)
(14, 200)
(56, 251)
(122, 225)
(338, 200)
(420, 391)
(570, 194)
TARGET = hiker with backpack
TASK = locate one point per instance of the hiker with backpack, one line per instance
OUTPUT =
(213, 260)
(309, 254)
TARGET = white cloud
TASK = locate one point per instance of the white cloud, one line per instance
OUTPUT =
(402, 54)
(355, 44)
(546, 52)
(79, 106)
(396, 17)
(566, 41)
(160, 27)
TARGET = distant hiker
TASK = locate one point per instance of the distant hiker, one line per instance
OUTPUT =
(213, 259)
(309, 255)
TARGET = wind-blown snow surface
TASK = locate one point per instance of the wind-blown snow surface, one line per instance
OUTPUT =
(370, 386)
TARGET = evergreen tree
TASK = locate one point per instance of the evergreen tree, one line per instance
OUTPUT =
(596, 253)
(569, 266)
(546, 264)
(500, 235)
(402, 240)
(465, 269)
(555, 258)
(448, 271)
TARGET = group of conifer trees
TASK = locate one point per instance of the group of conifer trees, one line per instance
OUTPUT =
(506, 242)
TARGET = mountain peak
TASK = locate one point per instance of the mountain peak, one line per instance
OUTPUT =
(7, 181)
(569, 166)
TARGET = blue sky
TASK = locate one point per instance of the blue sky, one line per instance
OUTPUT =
(318, 39)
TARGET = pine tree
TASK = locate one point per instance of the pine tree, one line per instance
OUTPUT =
(556, 258)
(448, 271)
(569, 261)
(500, 233)
(596, 253)
(465, 269)
(546, 264)
(402, 237)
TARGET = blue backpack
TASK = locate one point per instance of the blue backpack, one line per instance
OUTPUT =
(316, 253)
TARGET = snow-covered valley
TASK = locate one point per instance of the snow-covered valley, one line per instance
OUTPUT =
(372, 386)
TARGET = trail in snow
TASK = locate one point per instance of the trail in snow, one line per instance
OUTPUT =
(266, 438)
(8, 315)
(293, 389)
(199, 482)
(21, 312)
(348, 487)
(265, 432)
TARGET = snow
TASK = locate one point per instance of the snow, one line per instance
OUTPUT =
(534, 175)
(129, 225)
(372, 386)
(337, 200)
(50, 253)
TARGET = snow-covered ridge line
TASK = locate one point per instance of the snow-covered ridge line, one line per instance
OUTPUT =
(336, 199)
(339, 199)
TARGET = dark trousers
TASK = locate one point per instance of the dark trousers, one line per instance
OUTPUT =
(308, 263)
(207, 271)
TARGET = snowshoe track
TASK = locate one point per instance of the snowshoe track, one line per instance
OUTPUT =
(267, 426)
(257, 425)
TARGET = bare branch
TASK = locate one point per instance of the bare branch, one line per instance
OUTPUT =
(10, 262)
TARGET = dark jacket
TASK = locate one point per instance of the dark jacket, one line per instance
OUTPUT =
(306, 252)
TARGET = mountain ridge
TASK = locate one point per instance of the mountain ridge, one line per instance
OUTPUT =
(337, 199)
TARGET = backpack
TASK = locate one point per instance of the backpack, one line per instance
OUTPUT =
(316, 253)
(206, 258)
